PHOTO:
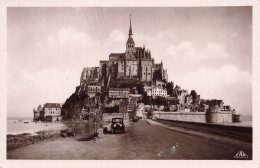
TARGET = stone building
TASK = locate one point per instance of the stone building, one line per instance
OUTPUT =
(134, 63)
(36, 113)
(51, 112)
(123, 106)
(182, 95)
(93, 89)
(157, 91)
(118, 93)
(215, 105)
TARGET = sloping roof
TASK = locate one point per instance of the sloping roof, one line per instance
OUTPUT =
(130, 41)
(116, 56)
(52, 105)
(103, 61)
(119, 89)
(171, 98)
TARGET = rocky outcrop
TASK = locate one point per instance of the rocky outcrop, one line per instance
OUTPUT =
(78, 105)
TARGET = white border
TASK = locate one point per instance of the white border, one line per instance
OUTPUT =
(127, 3)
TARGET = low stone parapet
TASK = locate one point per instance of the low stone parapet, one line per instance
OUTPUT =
(201, 117)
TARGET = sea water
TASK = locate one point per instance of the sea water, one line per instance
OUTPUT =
(19, 126)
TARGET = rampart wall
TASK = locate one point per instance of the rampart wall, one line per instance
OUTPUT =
(201, 117)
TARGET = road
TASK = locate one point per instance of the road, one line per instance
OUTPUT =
(141, 141)
(145, 141)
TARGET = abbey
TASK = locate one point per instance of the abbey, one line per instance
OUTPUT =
(134, 63)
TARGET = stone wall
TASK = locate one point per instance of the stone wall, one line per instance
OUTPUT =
(219, 117)
(200, 117)
(107, 117)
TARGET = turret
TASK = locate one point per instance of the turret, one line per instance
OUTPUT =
(39, 109)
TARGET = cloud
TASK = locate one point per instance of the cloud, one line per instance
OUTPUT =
(48, 85)
(214, 50)
(187, 50)
(209, 71)
(79, 48)
(44, 79)
(70, 35)
(117, 36)
(144, 39)
(227, 82)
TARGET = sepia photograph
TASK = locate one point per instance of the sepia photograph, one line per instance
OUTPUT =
(129, 83)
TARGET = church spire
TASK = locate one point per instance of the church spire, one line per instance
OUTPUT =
(130, 29)
(130, 44)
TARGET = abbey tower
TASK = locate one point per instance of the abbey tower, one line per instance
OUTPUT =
(134, 63)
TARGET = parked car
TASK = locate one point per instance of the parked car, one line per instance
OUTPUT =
(139, 117)
(117, 125)
(135, 119)
(71, 132)
(68, 132)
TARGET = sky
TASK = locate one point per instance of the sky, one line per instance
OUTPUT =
(207, 49)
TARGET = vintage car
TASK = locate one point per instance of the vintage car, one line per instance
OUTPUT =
(67, 132)
(135, 119)
(117, 125)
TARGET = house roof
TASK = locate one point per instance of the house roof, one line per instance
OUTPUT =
(103, 61)
(116, 56)
(52, 105)
(171, 98)
(119, 89)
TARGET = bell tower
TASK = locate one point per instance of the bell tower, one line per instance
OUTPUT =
(130, 44)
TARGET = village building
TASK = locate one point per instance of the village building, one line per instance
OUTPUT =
(157, 91)
(172, 100)
(160, 83)
(215, 105)
(123, 106)
(132, 103)
(118, 93)
(51, 112)
(226, 108)
(93, 89)
(182, 95)
(146, 88)
(203, 108)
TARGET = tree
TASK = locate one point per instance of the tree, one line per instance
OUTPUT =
(84, 96)
(193, 94)
(161, 101)
(169, 87)
(140, 89)
(147, 100)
